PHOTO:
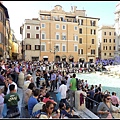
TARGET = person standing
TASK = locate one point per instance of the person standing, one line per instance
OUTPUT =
(63, 90)
(21, 78)
(11, 100)
(1, 102)
(9, 82)
(53, 81)
(114, 100)
(73, 88)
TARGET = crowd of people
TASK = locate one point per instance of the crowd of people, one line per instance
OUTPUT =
(49, 77)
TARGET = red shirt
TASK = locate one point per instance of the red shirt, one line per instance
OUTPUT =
(47, 99)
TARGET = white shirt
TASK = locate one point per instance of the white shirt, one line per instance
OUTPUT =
(63, 90)
(26, 84)
(68, 83)
(3, 67)
(59, 78)
(8, 91)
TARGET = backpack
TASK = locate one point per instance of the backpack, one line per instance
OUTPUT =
(77, 83)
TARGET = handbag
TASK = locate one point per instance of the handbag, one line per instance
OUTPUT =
(13, 113)
(109, 116)
(58, 96)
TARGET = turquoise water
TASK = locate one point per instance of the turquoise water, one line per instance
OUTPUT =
(109, 83)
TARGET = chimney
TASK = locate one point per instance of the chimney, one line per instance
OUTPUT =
(75, 8)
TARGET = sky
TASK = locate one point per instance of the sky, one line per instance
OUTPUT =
(21, 10)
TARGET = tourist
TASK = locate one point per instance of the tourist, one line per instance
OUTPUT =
(59, 80)
(63, 91)
(53, 81)
(27, 94)
(9, 82)
(33, 101)
(105, 108)
(47, 110)
(73, 88)
(90, 94)
(27, 81)
(11, 101)
(47, 98)
(114, 100)
(100, 87)
(21, 78)
(1, 101)
(56, 114)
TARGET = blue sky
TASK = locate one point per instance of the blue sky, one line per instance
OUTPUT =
(21, 10)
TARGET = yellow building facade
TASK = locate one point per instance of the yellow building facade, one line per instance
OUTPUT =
(80, 42)
(107, 37)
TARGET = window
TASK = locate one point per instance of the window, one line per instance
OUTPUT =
(63, 36)
(114, 40)
(80, 51)
(92, 41)
(43, 25)
(75, 48)
(94, 32)
(64, 48)
(114, 48)
(103, 47)
(109, 54)
(114, 33)
(80, 21)
(106, 47)
(104, 54)
(37, 36)
(42, 17)
(109, 33)
(28, 27)
(109, 47)
(109, 40)
(104, 40)
(80, 40)
(57, 26)
(43, 36)
(57, 48)
(80, 30)
(57, 36)
(75, 38)
(75, 27)
(63, 27)
(28, 47)
(37, 47)
(37, 28)
(104, 33)
(92, 51)
(92, 23)
(28, 35)
(42, 47)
